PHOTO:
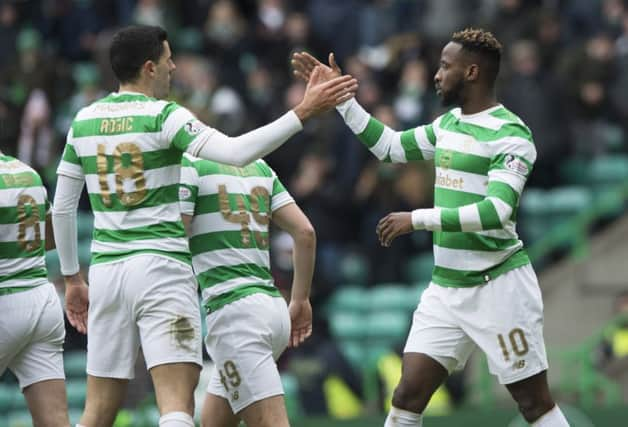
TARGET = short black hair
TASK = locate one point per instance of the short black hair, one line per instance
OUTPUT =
(484, 44)
(132, 46)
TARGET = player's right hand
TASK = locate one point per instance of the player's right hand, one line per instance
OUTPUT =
(77, 302)
(323, 96)
(303, 65)
(301, 322)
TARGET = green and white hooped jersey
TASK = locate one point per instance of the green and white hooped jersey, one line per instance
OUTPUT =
(482, 162)
(23, 208)
(128, 148)
(232, 208)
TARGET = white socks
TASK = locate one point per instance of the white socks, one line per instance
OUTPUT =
(176, 419)
(402, 418)
(553, 418)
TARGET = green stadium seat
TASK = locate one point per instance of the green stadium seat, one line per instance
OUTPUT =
(52, 264)
(607, 170)
(348, 298)
(74, 363)
(291, 395)
(354, 268)
(568, 200)
(20, 419)
(76, 390)
(75, 415)
(84, 252)
(19, 402)
(347, 326)
(391, 297)
(85, 225)
(354, 351)
(575, 171)
(419, 268)
(387, 327)
(6, 398)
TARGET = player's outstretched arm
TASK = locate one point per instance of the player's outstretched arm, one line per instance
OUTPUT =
(385, 143)
(320, 96)
(65, 204)
(292, 219)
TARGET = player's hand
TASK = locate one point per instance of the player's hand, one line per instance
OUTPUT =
(301, 322)
(303, 65)
(77, 302)
(321, 97)
(393, 225)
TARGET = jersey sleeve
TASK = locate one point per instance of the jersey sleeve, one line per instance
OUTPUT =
(188, 187)
(280, 197)
(70, 164)
(181, 128)
(512, 160)
(385, 143)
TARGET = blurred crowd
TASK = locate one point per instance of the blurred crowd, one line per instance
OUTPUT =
(564, 71)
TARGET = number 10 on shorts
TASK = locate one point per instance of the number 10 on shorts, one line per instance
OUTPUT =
(517, 341)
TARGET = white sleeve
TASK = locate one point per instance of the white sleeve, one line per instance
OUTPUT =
(242, 150)
(66, 202)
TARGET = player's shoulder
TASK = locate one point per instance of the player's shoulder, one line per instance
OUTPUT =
(511, 123)
(17, 173)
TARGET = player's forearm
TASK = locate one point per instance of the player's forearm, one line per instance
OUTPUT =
(303, 260)
(380, 139)
(242, 150)
(50, 236)
(489, 214)
(66, 201)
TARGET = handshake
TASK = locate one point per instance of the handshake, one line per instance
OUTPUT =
(326, 86)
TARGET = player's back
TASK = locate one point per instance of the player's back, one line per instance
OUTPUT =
(230, 231)
(23, 208)
(131, 169)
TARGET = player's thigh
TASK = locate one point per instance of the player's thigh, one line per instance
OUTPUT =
(47, 403)
(510, 328)
(243, 340)
(174, 386)
(167, 312)
(435, 332)
(41, 358)
(268, 412)
(112, 334)
(217, 412)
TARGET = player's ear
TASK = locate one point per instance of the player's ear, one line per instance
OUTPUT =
(149, 68)
(472, 72)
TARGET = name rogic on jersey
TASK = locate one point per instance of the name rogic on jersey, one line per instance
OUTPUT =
(23, 208)
(482, 162)
(128, 148)
(232, 208)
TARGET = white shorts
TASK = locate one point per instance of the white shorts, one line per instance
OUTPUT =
(146, 300)
(503, 317)
(31, 335)
(244, 339)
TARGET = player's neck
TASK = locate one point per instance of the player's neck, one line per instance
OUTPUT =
(136, 87)
(478, 102)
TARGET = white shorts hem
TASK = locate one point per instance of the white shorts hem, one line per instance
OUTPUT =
(176, 360)
(516, 378)
(116, 374)
(254, 399)
(36, 380)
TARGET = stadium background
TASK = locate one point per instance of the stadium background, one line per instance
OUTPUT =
(564, 71)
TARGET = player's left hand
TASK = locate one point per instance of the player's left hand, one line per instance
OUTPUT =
(393, 225)
(301, 322)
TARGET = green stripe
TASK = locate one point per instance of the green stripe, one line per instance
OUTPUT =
(9, 215)
(488, 216)
(239, 293)
(16, 289)
(182, 139)
(410, 146)
(482, 134)
(429, 131)
(278, 187)
(372, 133)
(116, 126)
(463, 279)
(446, 198)
(450, 220)
(102, 257)
(450, 159)
(471, 241)
(126, 97)
(221, 274)
(206, 242)
(12, 250)
(210, 203)
(31, 273)
(70, 156)
(162, 230)
(154, 197)
(207, 168)
(151, 160)
(505, 114)
(504, 192)
(26, 179)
